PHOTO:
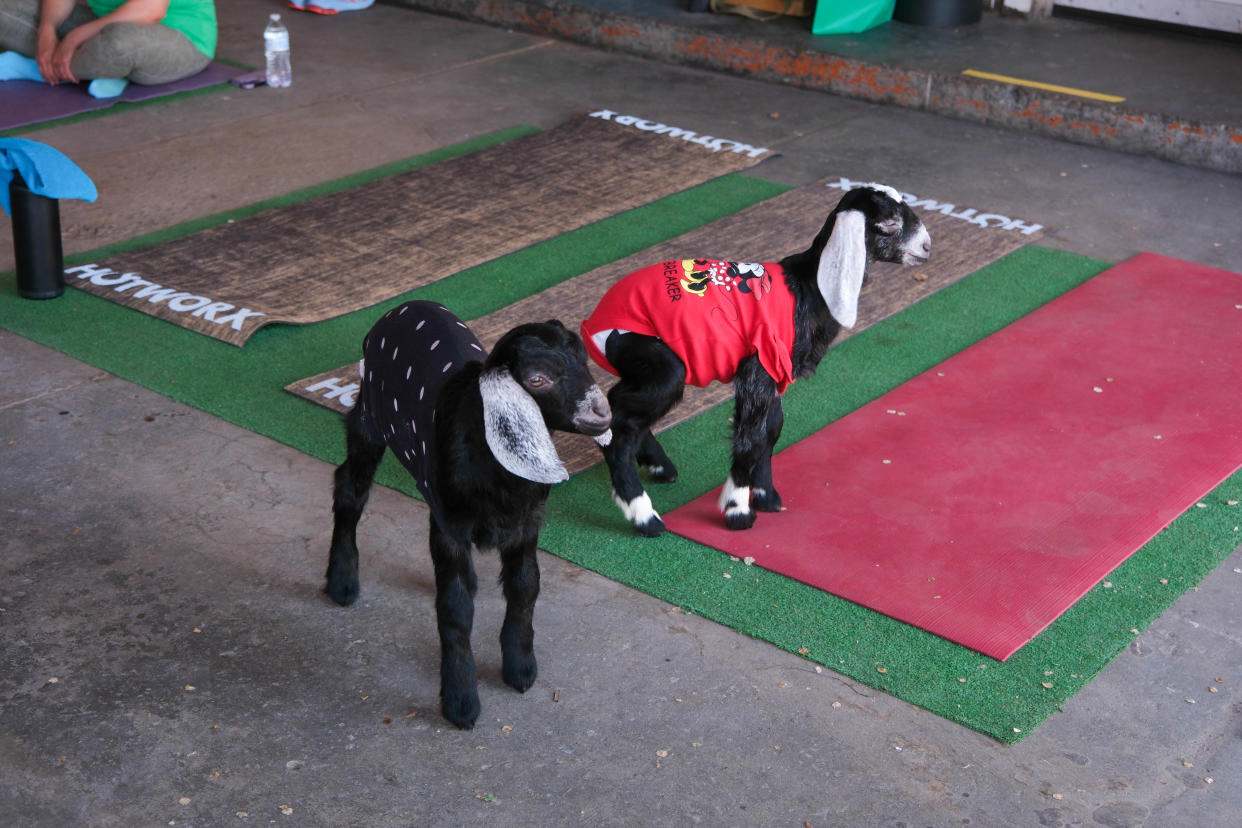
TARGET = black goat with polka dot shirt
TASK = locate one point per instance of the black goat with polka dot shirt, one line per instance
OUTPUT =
(473, 429)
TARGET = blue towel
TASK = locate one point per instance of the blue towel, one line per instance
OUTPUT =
(16, 66)
(46, 171)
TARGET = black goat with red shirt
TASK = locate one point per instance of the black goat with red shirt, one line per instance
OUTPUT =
(759, 326)
(473, 431)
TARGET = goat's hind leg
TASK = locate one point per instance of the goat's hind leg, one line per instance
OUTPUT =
(455, 587)
(519, 577)
(349, 497)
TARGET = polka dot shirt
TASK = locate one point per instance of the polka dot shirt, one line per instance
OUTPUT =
(407, 357)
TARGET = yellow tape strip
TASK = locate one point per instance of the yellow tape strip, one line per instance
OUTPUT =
(1082, 93)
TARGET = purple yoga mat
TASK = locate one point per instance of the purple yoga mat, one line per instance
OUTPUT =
(31, 102)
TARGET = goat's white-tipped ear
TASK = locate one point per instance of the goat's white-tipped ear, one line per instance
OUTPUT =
(515, 430)
(842, 266)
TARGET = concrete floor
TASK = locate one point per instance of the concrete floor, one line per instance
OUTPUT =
(168, 658)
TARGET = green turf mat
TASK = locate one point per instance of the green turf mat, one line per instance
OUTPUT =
(1004, 700)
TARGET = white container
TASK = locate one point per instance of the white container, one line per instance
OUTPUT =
(276, 51)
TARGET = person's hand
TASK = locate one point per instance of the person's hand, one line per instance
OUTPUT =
(45, 50)
(62, 57)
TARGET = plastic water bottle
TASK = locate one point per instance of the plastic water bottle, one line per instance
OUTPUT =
(276, 50)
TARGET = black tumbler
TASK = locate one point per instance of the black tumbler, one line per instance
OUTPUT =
(36, 242)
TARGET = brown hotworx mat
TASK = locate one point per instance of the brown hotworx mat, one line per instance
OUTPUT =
(963, 240)
(351, 249)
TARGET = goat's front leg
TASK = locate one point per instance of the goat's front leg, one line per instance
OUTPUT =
(519, 578)
(627, 489)
(455, 587)
(349, 497)
(651, 454)
(652, 380)
(755, 398)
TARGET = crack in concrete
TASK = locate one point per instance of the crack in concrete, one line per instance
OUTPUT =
(94, 378)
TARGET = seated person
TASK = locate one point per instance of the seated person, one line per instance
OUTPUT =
(145, 41)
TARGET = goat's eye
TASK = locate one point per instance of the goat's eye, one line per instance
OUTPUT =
(537, 380)
(889, 226)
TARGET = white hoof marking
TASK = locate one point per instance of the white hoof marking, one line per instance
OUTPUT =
(734, 499)
(638, 511)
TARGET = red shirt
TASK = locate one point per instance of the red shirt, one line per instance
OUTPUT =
(712, 314)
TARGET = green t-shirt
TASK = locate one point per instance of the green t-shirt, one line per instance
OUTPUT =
(196, 19)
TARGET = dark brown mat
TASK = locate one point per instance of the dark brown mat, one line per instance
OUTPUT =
(351, 249)
(963, 240)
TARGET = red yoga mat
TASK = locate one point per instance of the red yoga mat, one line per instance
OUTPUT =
(981, 499)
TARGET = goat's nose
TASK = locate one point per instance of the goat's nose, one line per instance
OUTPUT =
(600, 407)
(925, 247)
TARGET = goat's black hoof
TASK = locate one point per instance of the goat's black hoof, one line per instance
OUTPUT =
(519, 672)
(343, 591)
(461, 709)
(737, 519)
(653, 527)
(665, 473)
(765, 500)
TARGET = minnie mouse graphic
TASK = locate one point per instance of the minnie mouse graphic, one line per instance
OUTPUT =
(725, 275)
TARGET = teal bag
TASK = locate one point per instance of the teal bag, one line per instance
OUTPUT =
(850, 16)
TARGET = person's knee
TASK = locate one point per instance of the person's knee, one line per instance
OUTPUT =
(109, 54)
